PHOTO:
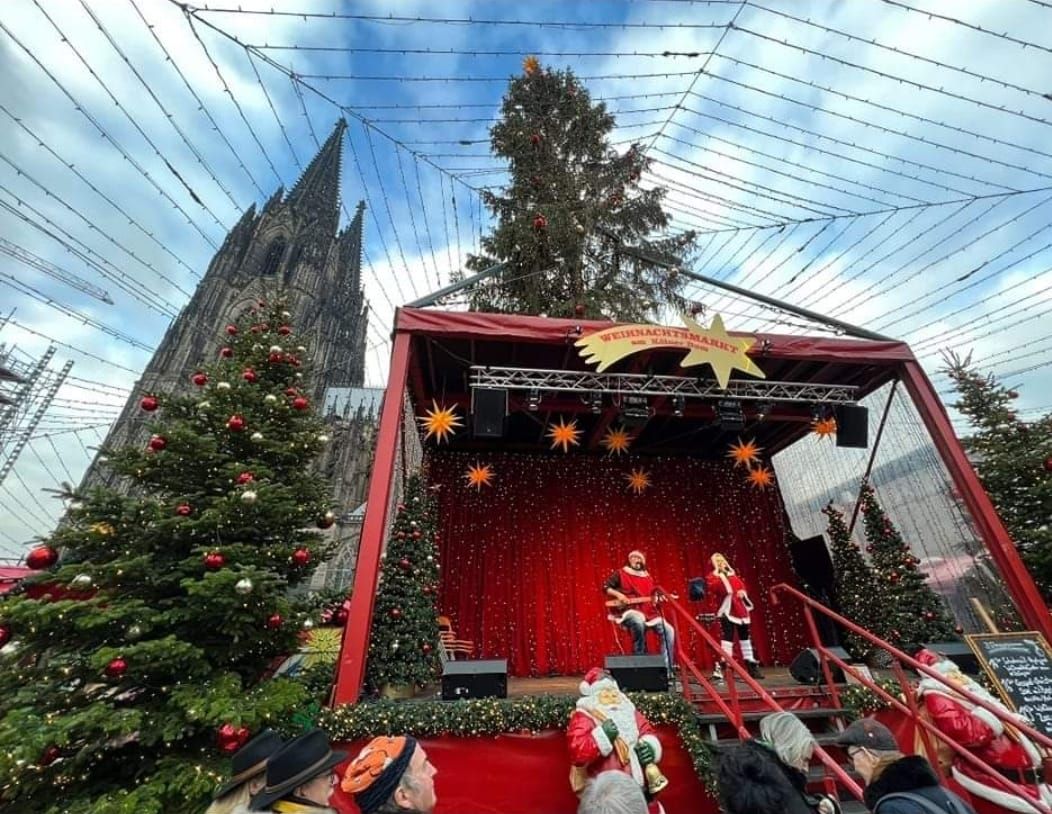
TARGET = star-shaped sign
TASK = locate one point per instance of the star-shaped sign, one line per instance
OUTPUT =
(744, 453)
(441, 422)
(761, 477)
(617, 440)
(531, 65)
(824, 427)
(638, 480)
(479, 475)
(718, 349)
(563, 434)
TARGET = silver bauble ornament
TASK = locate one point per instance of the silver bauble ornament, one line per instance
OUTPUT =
(222, 385)
(244, 586)
(394, 645)
(134, 632)
(307, 624)
(248, 496)
(323, 438)
(286, 315)
(579, 228)
(275, 349)
(82, 581)
(256, 436)
(257, 346)
(203, 406)
(301, 349)
(270, 398)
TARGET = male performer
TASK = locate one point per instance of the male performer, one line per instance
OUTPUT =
(733, 613)
(632, 582)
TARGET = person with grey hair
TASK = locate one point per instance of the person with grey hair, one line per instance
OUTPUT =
(612, 793)
(769, 775)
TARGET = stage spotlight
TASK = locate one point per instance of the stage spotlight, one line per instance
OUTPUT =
(729, 415)
(533, 400)
(763, 409)
(596, 402)
(679, 405)
(635, 411)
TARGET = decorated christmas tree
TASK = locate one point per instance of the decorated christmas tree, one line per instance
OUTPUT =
(1013, 458)
(858, 593)
(403, 647)
(913, 612)
(573, 223)
(140, 646)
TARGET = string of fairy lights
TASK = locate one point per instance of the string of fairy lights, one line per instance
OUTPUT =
(836, 156)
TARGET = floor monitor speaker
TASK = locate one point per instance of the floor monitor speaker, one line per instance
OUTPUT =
(638, 673)
(807, 667)
(481, 678)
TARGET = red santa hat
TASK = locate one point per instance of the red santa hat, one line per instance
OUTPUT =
(593, 678)
(639, 554)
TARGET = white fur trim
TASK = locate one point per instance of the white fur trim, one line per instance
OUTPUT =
(655, 744)
(1004, 799)
(990, 720)
(602, 741)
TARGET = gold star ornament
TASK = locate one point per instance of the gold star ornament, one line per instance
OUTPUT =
(744, 453)
(761, 477)
(441, 422)
(824, 427)
(718, 349)
(638, 480)
(564, 435)
(479, 475)
(617, 440)
(531, 65)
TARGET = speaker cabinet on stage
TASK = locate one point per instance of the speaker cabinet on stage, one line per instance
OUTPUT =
(639, 673)
(852, 426)
(483, 678)
(959, 653)
(807, 667)
(489, 407)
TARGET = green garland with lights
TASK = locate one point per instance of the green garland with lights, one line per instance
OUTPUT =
(860, 701)
(495, 716)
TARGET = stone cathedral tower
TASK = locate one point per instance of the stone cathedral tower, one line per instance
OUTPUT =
(292, 245)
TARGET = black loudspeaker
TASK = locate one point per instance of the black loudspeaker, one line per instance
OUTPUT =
(807, 667)
(852, 426)
(959, 653)
(489, 406)
(639, 673)
(484, 678)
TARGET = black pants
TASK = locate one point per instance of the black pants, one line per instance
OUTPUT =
(727, 628)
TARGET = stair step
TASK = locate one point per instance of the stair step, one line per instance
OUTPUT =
(749, 717)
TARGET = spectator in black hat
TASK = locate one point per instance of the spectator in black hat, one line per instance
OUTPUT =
(895, 783)
(248, 769)
(300, 776)
(392, 776)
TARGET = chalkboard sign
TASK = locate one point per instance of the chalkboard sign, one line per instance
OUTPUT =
(1020, 666)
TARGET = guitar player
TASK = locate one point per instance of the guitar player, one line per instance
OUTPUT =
(632, 591)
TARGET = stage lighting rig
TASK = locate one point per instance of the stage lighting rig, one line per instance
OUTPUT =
(729, 415)
(635, 411)
(596, 402)
(679, 406)
(533, 400)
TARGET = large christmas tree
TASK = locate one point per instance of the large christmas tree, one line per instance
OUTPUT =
(1013, 458)
(141, 645)
(859, 595)
(574, 224)
(403, 646)
(913, 612)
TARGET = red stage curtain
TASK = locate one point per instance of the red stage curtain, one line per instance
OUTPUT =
(523, 561)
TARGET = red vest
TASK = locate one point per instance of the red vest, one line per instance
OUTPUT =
(635, 584)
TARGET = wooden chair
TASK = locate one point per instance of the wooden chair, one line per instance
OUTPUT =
(451, 645)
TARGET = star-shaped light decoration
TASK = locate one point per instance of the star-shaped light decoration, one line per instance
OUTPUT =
(744, 453)
(617, 440)
(824, 427)
(531, 65)
(638, 480)
(479, 475)
(761, 477)
(720, 350)
(441, 422)
(563, 434)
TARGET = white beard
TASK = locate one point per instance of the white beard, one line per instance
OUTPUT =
(623, 713)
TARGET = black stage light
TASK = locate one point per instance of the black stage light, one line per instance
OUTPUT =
(729, 415)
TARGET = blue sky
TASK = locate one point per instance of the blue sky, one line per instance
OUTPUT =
(817, 166)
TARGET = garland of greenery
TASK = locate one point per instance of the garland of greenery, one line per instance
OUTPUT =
(859, 701)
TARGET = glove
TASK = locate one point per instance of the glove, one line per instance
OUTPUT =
(645, 753)
(610, 729)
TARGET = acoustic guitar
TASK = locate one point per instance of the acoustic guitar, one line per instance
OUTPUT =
(638, 600)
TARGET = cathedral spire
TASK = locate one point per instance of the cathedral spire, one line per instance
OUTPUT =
(350, 243)
(318, 189)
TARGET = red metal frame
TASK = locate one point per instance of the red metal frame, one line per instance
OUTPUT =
(350, 670)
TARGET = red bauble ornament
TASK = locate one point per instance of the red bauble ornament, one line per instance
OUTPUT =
(301, 556)
(958, 629)
(929, 615)
(275, 357)
(214, 560)
(245, 477)
(893, 576)
(5, 634)
(1048, 464)
(340, 617)
(400, 535)
(231, 329)
(300, 403)
(540, 223)
(535, 139)
(184, 510)
(284, 330)
(41, 557)
(425, 648)
(50, 755)
(158, 442)
(200, 379)
(427, 590)
(149, 403)
(404, 564)
(274, 621)
(396, 613)
(226, 353)
(230, 738)
(416, 535)
(249, 375)
(235, 423)
(291, 391)
(116, 668)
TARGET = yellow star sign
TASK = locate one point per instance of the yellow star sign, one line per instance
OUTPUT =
(617, 440)
(563, 434)
(824, 427)
(440, 422)
(638, 480)
(744, 453)
(761, 477)
(531, 65)
(715, 347)
(479, 475)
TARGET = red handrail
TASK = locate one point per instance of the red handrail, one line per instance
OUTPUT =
(909, 708)
(733, 712)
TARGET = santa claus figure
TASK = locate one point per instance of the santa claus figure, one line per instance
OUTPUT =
(607, 733)
(998, 744)
(733, 611)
